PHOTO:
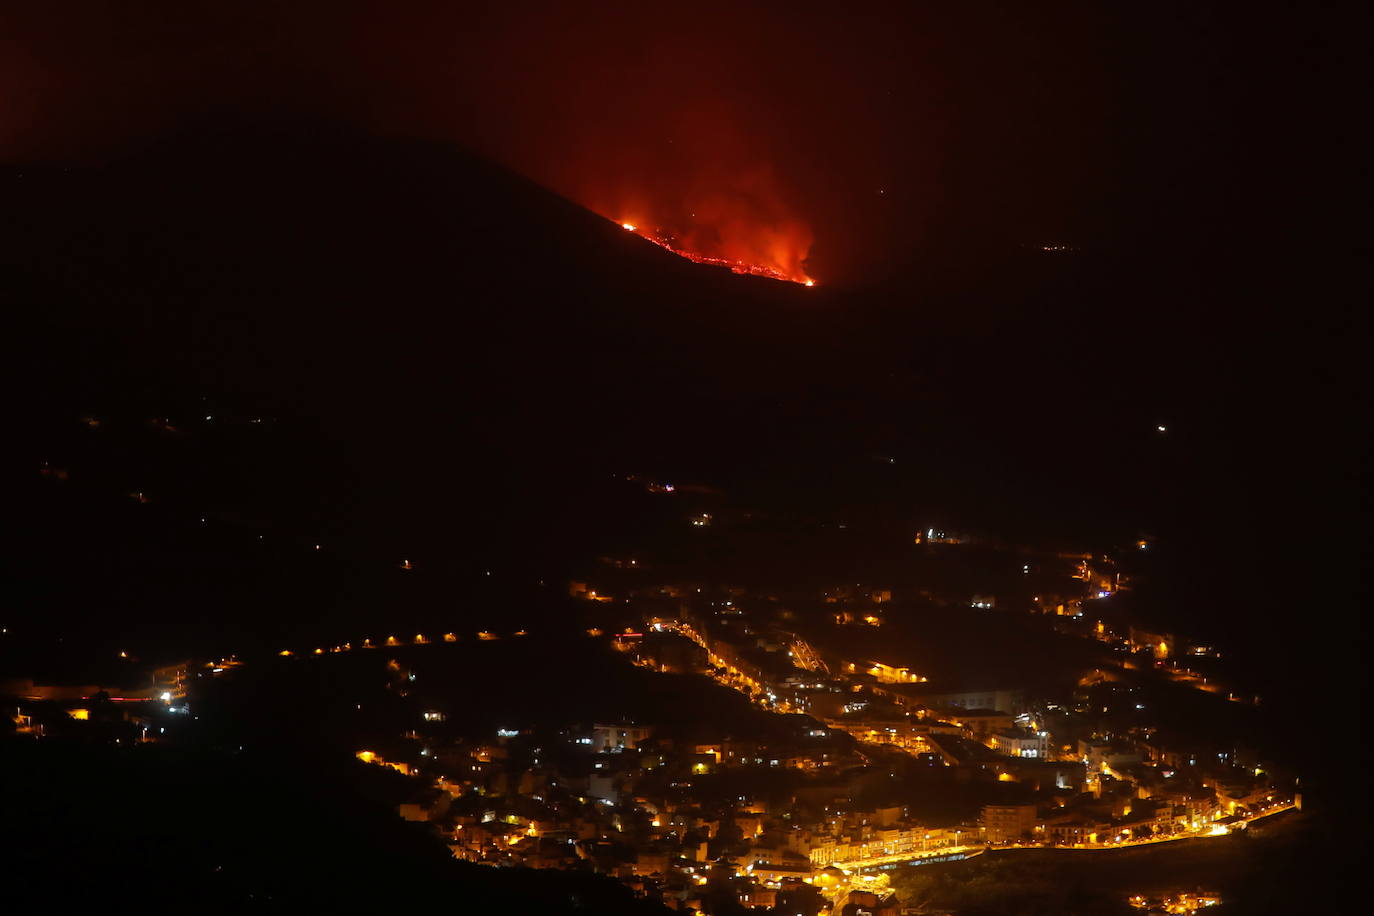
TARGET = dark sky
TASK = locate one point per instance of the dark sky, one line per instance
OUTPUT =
(849, 133)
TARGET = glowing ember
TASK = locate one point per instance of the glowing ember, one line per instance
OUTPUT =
(669, 243)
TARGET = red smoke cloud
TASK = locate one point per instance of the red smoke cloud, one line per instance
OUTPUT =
(709, 207)
(649, 121)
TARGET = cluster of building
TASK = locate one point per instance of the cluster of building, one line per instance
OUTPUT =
(130, 703)
(648, 804)
(628, 801)
(638, 802)
(1181, 904)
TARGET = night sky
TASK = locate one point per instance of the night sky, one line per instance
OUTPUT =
(857, 134)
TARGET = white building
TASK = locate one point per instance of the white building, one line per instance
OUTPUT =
(1020, 742)
(618, 737)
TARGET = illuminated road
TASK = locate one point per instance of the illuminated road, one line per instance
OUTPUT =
(1216, 830)
(904, 858)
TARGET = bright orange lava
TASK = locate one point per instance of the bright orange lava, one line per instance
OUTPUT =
(739, 267)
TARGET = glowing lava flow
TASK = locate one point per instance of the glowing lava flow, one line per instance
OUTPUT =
(739, 267)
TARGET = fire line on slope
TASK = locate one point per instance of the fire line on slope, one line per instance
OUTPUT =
(740, 267)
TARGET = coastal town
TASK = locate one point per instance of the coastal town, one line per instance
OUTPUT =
(809, 745)
(835, 782)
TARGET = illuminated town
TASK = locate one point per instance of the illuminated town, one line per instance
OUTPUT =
(809, 748)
